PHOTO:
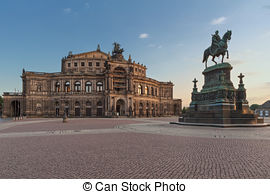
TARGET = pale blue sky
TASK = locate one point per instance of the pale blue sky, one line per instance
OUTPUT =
(169, 37)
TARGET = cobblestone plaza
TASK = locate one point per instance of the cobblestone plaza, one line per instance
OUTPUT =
(130, 148)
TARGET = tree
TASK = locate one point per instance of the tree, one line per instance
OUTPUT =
(254, 106)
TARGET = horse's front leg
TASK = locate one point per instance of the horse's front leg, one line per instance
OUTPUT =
(213, 59)
(222, 58)
(227, 54)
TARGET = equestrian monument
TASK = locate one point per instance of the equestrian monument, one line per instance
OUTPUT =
(219, 102)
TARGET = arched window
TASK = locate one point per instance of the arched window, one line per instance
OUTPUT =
(88, 103)
(99, 86)
(57, 87)
(77, 86)
(77, 104)
(155, 91)
(67, 86)
(152, 91)
(88, 87)
(146, 90)
(139, 89)
(99, 103)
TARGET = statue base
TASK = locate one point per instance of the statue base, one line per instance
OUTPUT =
(221, 116)
(219, 102)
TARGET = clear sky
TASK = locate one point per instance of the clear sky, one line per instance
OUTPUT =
(168, 36)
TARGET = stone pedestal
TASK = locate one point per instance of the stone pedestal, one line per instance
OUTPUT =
(218, 101)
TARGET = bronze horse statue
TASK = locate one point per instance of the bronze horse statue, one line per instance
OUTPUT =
(117, 50)
(220, 50)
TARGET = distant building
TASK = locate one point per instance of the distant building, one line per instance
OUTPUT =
(93, 84)
(264, 109)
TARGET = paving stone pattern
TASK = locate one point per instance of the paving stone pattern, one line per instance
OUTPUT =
(131, 154)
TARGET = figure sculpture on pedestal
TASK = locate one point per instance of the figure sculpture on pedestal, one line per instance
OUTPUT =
(219, 103)
(215, 42)
(218, 47)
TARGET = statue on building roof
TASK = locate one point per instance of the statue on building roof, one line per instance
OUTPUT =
(117, 50)
(98, 47)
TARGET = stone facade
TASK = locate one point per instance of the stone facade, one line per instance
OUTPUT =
(92, 84)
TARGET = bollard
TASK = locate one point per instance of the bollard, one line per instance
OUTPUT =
(65, 118)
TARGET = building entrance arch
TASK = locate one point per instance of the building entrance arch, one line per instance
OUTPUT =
(141, 110)
(77, 109)
(16, 108)
(120, 107)
(99, 109)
